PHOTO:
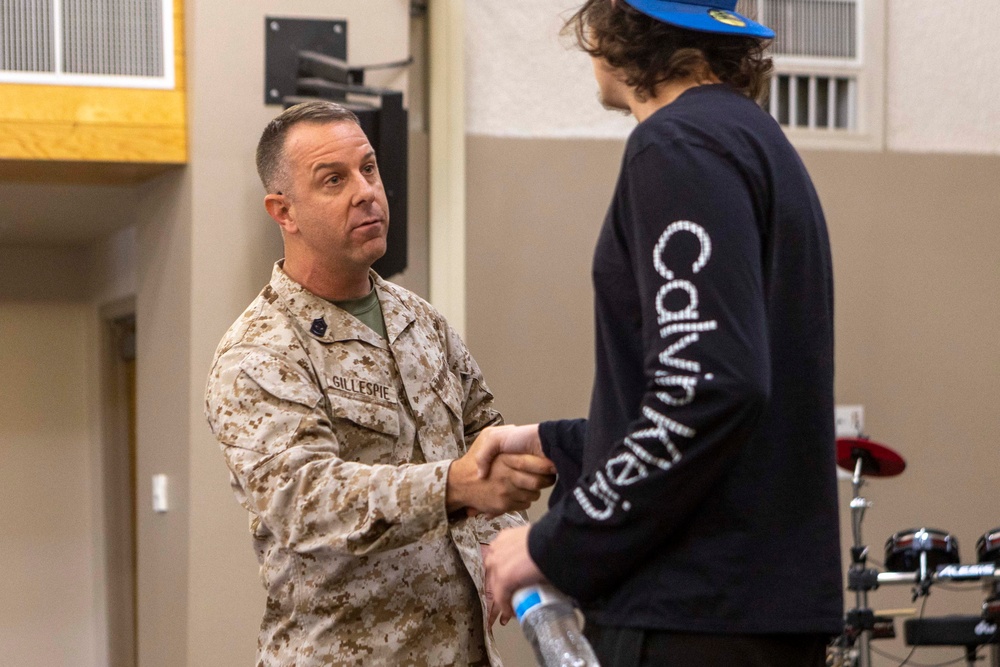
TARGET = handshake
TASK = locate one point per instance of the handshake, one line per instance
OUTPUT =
(504, 470)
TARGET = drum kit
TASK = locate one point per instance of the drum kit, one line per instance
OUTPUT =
(918, 556)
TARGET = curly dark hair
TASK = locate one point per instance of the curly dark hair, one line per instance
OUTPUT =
(650, 52)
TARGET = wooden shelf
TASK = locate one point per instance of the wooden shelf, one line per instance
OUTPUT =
(94, 134)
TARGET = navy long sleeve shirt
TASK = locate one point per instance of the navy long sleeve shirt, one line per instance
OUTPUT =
(700, 495)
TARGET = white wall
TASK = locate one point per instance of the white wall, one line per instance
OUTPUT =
(524, 80)
(943, 67)
(48, 555)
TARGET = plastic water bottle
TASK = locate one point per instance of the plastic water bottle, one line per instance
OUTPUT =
(550, 624)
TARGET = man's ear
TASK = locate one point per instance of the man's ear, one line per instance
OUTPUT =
(279, 208)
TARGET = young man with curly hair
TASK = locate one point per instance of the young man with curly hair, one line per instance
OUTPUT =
(695, 519)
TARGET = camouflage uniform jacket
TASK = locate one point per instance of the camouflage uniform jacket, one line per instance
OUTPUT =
(338, 443)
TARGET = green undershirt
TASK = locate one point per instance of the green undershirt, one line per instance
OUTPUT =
(366, 309)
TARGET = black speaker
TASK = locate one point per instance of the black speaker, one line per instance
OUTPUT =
(305, 60)
(388, 134)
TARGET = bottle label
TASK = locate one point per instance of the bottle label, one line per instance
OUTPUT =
(533, 597)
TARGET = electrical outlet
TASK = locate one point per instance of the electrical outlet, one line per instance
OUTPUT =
(849, 420)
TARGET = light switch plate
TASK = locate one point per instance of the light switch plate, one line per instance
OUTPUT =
(849, 420)
(160, 503)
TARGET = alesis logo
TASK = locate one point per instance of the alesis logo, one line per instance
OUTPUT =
(966, 571)
(984, 628)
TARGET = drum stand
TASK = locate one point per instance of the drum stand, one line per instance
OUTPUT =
(860, 580)
(863, 457)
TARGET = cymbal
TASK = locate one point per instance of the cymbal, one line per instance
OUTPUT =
(876, 460)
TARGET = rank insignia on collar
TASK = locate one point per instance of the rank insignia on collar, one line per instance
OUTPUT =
(318, 327)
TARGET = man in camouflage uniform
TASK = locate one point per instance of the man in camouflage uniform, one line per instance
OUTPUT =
(350, 437)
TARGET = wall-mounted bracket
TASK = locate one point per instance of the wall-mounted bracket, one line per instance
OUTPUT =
(285, 38)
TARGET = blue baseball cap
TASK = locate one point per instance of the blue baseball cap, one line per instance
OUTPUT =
(718, 16)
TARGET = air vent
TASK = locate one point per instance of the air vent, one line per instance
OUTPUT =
(815, 102)
(26, 29)
(118, 43)
(810, 28)
(816, 57)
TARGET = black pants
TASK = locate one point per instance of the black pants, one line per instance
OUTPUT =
(630, 647)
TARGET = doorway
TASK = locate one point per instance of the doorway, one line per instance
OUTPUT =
(120, 502)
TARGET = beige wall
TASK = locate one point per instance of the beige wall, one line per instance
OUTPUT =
(534, 210)
(48, 555)
(52, 303)
(163, 320)
(915, 245)
(30, 273)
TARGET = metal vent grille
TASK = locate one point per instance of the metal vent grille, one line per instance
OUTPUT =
(125, 43)
(814, 28)
(26, 35)
(749, 9)
(117, 37)
(820, 92)
(814, 101)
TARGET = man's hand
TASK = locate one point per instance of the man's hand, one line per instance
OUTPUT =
(509, 439)
(513, 481)
(509, 568)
